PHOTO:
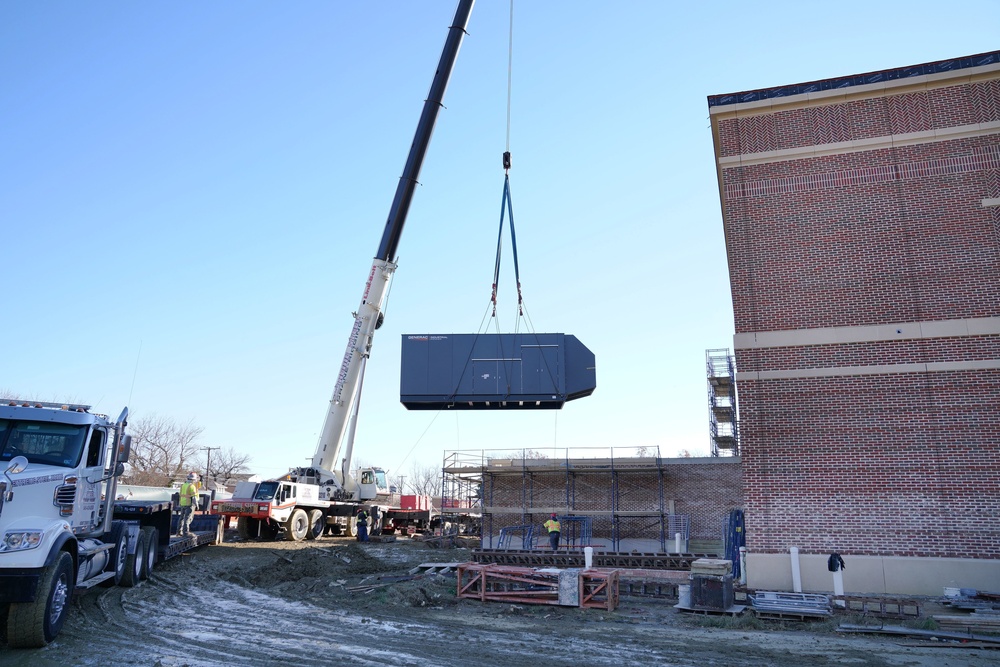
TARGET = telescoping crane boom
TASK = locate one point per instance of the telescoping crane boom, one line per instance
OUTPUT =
(330, 466)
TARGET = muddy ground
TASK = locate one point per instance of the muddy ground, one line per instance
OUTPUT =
(286, 603)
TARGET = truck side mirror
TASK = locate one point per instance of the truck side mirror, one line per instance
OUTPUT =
(119, 469)
(124, 448)
(16, 465)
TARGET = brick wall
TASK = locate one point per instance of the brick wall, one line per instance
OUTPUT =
(876, 446)
(891, 249)
(704, 489)
(858, 119)
(904, 465)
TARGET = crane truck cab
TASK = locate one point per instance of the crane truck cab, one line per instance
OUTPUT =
(372, 484)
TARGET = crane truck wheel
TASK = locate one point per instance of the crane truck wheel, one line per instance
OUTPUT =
(269, 530)
(35, 624)
(135, 562)
(247, 527)
(119, 553)
(317, 523)
(297, 526)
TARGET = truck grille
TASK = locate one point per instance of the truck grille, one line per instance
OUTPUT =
(65, 495)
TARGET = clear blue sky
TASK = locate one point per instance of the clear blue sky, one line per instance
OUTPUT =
(191, 194)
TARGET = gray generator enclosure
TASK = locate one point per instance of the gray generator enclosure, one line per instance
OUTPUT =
(494, 371)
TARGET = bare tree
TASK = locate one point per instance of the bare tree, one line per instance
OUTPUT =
(224, 464)
(424, 480)
(162, 451)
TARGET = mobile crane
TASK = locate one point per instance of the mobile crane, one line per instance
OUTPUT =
(308, 500)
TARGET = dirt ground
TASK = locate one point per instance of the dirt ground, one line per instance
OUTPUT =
(288, 603)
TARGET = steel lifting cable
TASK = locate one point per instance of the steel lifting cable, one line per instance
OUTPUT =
(506, 210)
(506, 206)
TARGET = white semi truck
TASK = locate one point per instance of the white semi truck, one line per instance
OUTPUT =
(302, 503)
(62, 528)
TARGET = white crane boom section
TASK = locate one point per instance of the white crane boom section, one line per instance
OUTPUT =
(345, 392)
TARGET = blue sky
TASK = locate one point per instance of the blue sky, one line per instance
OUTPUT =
(191, 195)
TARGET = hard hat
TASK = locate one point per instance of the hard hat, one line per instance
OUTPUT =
(553, 516)
(191, 475)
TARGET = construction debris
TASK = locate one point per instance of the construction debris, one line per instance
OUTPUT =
(880, 607)
(914, 632)
(796, 606)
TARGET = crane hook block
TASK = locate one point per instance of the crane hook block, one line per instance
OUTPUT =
(506, 159)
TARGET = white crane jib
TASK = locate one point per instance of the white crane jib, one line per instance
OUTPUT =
(335, 445)
(347, 392)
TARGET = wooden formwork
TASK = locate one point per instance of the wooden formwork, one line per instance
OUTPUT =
(596, 588)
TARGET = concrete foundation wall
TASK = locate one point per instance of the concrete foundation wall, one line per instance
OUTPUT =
(873, 575)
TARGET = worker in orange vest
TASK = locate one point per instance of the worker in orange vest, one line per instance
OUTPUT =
(552, 525)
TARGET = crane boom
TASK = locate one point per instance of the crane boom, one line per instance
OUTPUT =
(368, 317)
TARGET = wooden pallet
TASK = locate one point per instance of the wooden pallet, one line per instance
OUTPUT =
(969, 622)
(734, 610)
(772, 615)
(878, 607)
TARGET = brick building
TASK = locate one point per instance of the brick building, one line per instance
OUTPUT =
(629, 502)
(862, 225)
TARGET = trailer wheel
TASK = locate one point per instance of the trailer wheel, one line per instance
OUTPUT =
(35, 624)
(152, 550)
(119, 554)
(135, 562)
(297, 526)
(247, 527)
(4, 608)
(317, 523)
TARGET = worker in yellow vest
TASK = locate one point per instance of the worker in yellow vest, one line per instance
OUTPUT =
(189, 503)
(552, 525)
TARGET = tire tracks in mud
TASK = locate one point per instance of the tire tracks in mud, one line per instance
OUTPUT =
(286, 603)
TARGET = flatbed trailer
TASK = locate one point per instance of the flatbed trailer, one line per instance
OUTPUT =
(159, 515)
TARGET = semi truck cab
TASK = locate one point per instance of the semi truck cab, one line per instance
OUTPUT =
(59, 465)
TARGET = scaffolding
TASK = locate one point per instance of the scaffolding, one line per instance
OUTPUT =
(723, 420)
(461, 492)
(609, 498)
